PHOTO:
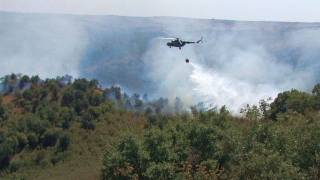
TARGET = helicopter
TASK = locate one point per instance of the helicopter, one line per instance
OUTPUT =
(177, 42)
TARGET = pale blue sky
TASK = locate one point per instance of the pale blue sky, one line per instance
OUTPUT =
(274, 10)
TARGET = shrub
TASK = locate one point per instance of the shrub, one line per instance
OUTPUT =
(22, 140)
(66, 124)
(68, 97)
(3, 113)
(15, 165)
(58, 157)
(50, 138)
(87, 124)
(262, 164)
(35, 125)
(161, 171)
(128, 162)
(41, 158)
(33, 140)
(7, 149)
(64, 142)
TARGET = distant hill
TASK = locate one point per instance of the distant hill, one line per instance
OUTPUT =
(250, 60)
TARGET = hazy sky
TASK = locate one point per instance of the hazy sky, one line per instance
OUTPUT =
(275, 10)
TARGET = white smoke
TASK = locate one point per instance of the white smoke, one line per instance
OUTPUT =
(169, 72)
(237, 64)
(233, 68)
(40, 45)
(195, 83)
(217, 90)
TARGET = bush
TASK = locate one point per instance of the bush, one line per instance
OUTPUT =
(87, 124)
(49, 138)
(22, 140)
(3, 113)
(33, 140)
(58, 157)
(64, 142)
(68, 97)
(41, 158)
(267, 165)
(35, 125)
(7, 149)
(161, 171)
(66, 124)
(15, 165)
(128, 162)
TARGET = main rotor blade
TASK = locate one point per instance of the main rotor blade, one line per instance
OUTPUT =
(167, 38)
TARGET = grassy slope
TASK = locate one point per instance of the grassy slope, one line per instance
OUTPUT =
(84, 158)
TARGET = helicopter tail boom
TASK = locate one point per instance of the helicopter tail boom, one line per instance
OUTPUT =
(199, 41)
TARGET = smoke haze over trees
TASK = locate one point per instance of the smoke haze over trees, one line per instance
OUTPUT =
(248, 60)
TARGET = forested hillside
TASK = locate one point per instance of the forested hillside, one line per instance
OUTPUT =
(74, 129)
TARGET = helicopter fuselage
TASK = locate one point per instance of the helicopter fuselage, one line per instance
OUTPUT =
(176, 43)
(179, 43)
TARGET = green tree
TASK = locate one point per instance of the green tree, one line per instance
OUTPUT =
(316, 90)
(264, 164)
(4, 114)
(293, 100)
(7, 149)
(128, 162)
(33, 140)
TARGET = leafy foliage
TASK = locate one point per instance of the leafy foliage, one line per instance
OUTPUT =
(35, 114)
(272, 140)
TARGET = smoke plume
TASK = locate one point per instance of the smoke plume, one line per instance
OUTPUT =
(46, 45)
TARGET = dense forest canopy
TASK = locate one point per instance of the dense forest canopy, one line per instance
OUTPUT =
(46, 124)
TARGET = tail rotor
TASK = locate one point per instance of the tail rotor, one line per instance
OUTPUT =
(200, 41)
